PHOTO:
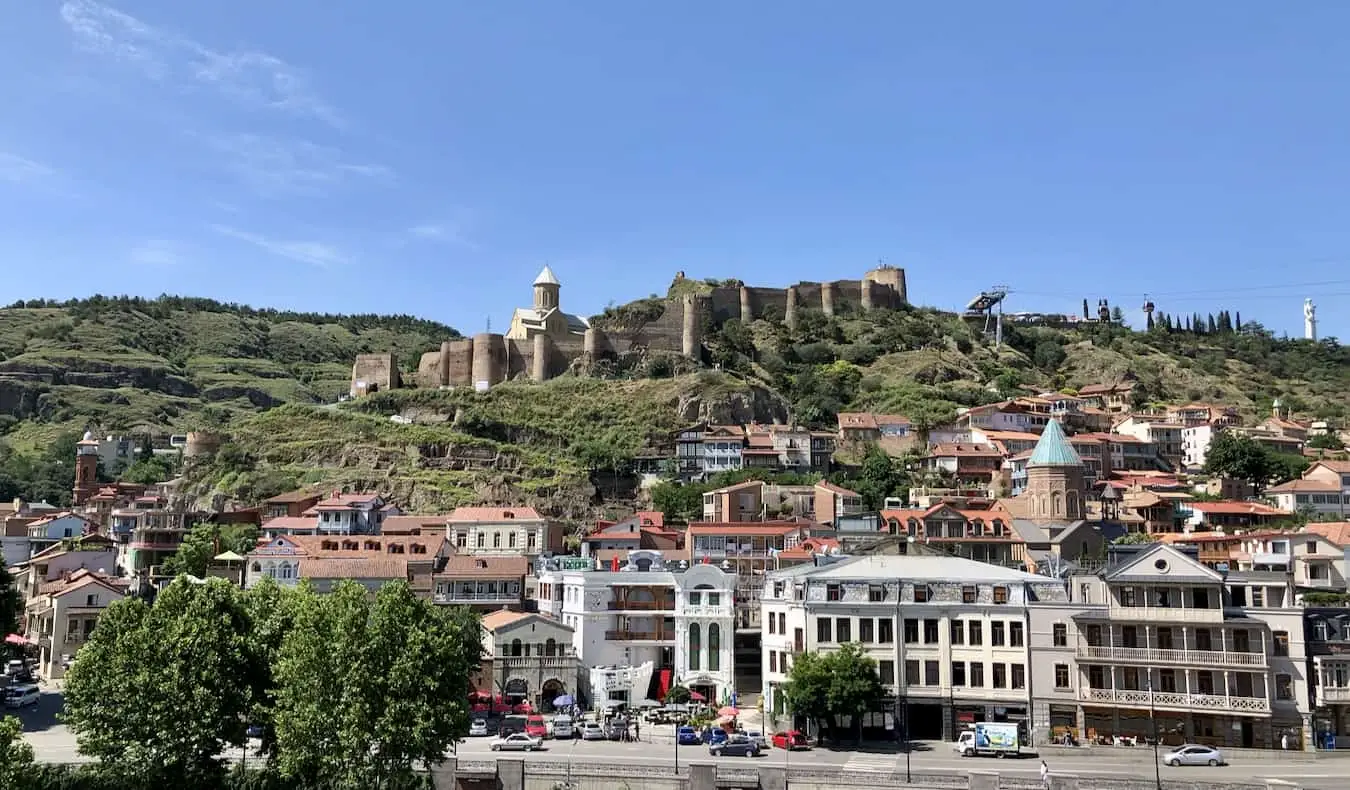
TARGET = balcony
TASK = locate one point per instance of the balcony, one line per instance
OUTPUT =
(527, 662)
(1165, 614)
(706, 610)
(475, 598)
(1155, 656)
(640, 636)
(642, 606)
(1130, 698)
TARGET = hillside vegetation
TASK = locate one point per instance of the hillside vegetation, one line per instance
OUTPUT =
(271, 380)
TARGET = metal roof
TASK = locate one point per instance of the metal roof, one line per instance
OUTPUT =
(546, 277)
(1053, 448)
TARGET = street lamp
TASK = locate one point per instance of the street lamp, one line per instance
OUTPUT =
(1153, 717)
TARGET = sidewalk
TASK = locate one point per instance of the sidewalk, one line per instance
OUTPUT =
(1251, 754)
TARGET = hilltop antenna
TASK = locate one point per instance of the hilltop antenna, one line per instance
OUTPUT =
(489, 325)
(990, 305)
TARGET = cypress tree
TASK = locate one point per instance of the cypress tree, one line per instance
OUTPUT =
(1212, 327)
(1237, 322)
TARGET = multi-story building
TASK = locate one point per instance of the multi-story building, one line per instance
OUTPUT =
(1117, 397)
(972, 463)
(50, 530)
(371, 560)
(949, 635)
(1164, 435)
(1205, 516)
(293, 505)
(1313, 496)
(527, 658)
(353, 514)
(1327, 632)
(867, 427)
(646, 626)
(1159, 638)
(756, 500)
(722, 448)
(484, 583)
(1196, 439)
(1192, 414)
(91, 552)
(148, 531)
(63, 614)
(517, 531)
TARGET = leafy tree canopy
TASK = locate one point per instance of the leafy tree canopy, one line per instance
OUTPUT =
(205, 541)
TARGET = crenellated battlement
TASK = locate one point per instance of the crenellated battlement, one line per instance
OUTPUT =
(544, 342)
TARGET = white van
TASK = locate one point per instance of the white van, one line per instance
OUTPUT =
(21, 696)
(563, 726)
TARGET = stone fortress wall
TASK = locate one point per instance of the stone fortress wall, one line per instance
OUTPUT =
(491, 358)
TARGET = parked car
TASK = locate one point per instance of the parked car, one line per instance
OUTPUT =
(688, 736)
(254, 731)
(1193, 754)
(517, 742)
(535, 726)
(592, 731)
(478, 728)
(563, 727)
(736, 745)
(22, 696)
(716, 735)
(792, 740)
(757, 738)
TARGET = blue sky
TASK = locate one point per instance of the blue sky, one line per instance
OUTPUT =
(429, 157)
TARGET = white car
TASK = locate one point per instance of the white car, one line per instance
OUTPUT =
(757, 738)
(478, 728)
(592, 731)
(1193, 754)
(22, 696)
(517, 742)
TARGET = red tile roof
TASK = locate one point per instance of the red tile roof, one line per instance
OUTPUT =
(494, 514)
(832, 488)
(1336, 532)
(494, 620)
(403, 525)
(468, 566)
(1303, 485)
(857, 420)
(301, 523)
(1236, 508)
(964, 449)
(345, 501)
(742, 528)
(290, 497)
(355, 568)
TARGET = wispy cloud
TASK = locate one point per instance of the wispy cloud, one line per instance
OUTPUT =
(157, 252)
(441, 232)
(324, 256)
(16, 169)
(252, 78)
(272, 166)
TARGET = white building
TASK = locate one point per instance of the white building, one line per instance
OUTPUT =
(1158, 639)
(949, 635)
(646, 627)
(353, 514)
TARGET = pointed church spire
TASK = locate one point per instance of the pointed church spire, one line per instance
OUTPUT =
(546, 277)
(1053, 448)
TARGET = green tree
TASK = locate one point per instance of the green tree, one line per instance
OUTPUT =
(205, 541)
(1326, 441)
(16, 755)
(679, 501)
(855, 687)
(877, 478)
(1240, 457)
(1136, 538)
(148, 471)
(807, 690)
(160, 692)
(368, 690)
(11, 604)
(677, 695)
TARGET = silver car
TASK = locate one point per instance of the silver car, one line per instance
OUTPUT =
(517, 742)
(1193, 754)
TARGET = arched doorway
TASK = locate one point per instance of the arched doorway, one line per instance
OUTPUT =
(516, 691)
(551, 690)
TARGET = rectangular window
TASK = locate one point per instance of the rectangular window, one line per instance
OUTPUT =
(530, 541)
(511, 540)
(912, 673)
(1016, 637)
(996, 633)
(1167, 680)
(1164, 638)
(958, 673)
(930, 632)
(496, 540)
(823, 634)
(843, 630)
(773, 623)
(876, 593)
(911, 631)
(930, 674)
(1000, 594)
(1061, 676)
(773, 661)
(977, 674)
(886, 669)
(885, 630)
(969, 594)
(1060, 633)
(920, 593)
(958, 631)
(1000, 675)
(1019, 676)
(865, 630)
(833, 592)
(1282, 643)
(975, 633)
(1284, 687)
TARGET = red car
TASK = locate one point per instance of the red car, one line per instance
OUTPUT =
(535, 726)
(791, 740)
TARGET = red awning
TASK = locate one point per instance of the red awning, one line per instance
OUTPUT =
(19, 639)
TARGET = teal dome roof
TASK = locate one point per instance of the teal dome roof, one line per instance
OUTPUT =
(1053, 448)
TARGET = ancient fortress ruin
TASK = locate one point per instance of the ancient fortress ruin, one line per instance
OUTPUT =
(543, 341)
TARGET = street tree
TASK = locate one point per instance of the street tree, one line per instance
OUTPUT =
(677, 695)
(368, 690)
(1241, 457)
(161, 691)
(807, 690)
(16, 755)
(11, 604)
(855, 687)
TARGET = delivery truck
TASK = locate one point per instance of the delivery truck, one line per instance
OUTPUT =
(986, 738)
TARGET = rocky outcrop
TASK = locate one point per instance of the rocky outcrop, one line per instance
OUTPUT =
(255, 396)
(100, 374)
(21, 399)
(738, 407)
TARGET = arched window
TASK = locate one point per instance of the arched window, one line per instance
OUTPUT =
(695, 646)
(257, 567)
(714, 647)
(913, 527)
(550, 648)
(516, 647)
(1056, 504)
(1071, 505)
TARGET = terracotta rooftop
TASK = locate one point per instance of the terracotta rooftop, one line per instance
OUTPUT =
(1303, 485)
(808, 548)
(963, 449)
(494, 514)
(80, 578)
(1336, 532)
(367, 546)
(346, 501)
(1340, 467)
(1105, 389)
(467, 566)
(494, 620)
(354, 568)
(1236, 508)
(858, 420)
(831, 487)
(404, 525)
(290, 497)
(742, 528)
(304, 523)
(1010, 436)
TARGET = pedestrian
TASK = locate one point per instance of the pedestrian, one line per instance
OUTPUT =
(637, 730)
(1045, 775)
(1284, 741)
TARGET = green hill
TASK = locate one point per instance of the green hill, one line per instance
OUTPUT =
(271, 380)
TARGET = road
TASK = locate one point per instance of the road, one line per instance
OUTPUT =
(53, 742)
(1323, 774)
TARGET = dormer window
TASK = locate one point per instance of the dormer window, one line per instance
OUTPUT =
(921, 593)
(1000, 594)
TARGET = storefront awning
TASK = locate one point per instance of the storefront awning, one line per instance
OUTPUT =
(19, 639)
